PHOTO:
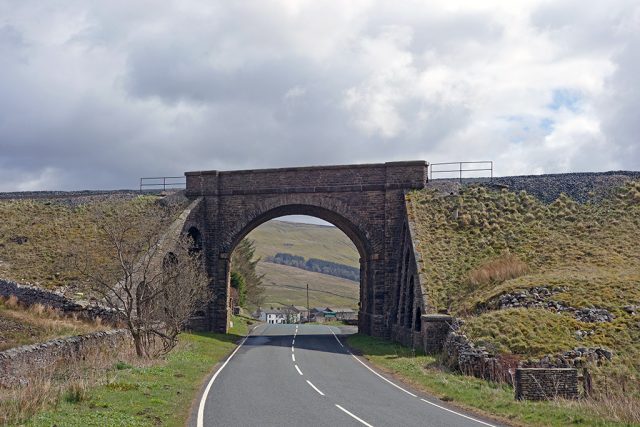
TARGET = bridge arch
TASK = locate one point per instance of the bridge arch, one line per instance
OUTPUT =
(366, 202)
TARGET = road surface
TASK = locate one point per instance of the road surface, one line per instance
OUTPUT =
(293, 375)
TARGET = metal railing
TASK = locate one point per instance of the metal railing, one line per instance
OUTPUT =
(463, 167)
(164, 182)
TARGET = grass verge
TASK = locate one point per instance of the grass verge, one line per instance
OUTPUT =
(423, 372)
(160, 394)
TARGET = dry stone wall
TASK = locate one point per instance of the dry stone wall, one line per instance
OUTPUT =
(21, 364)
(30, 295)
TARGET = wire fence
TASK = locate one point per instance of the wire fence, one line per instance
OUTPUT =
(609, 385)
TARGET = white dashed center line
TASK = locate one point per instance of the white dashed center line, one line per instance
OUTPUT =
(315, 388)
(298, 369)
(293, 357)
(355, 417)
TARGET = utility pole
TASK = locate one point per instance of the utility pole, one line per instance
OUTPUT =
(308, 308)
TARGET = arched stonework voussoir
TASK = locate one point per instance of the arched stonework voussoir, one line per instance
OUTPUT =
(330, 209)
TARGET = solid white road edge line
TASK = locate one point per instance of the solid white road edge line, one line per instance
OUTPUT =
(390, 382)
(336, 337)
(200, 419)
(407, 391)
(353, 416)
(457, 413)
(315, 388)
(298, 369)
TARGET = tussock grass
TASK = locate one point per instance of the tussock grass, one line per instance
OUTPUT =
(498, 270)
(61, 382)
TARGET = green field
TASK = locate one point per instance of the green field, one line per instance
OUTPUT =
(306, 240)
(286, 285)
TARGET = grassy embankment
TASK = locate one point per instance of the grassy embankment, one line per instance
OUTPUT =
(481, 244)
(160, 393)
(589, 252)
(424, 373)
(37, 236)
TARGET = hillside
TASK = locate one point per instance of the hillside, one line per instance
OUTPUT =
(306, 240)
(287, 285)
(533, 278)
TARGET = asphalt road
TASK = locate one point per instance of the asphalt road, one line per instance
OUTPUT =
(290, 375)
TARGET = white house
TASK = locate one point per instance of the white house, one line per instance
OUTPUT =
(279, 315)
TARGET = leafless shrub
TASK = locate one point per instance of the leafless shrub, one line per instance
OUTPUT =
(156, 281)
(498, 270)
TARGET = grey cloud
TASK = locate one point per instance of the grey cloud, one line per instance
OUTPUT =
(180, 90)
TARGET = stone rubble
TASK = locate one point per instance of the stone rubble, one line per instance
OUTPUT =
(540, 297)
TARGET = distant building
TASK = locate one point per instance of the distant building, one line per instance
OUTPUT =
(346, 314)
(287, 314)
(320, 314)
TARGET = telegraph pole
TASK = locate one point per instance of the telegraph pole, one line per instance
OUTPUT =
(308, 308)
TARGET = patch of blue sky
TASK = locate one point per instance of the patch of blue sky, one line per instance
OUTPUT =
(547, 125)
(565, 98)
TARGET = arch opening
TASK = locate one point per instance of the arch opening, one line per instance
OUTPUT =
(409, 304)
(346, 299)
(195, 240)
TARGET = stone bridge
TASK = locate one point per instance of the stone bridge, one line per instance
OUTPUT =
(366, 202)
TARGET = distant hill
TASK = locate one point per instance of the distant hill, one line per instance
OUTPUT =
(305, 240)
(287, 285)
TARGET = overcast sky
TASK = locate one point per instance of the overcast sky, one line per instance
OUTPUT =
(95, 94)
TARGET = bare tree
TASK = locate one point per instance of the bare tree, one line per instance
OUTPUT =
(143, 267)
